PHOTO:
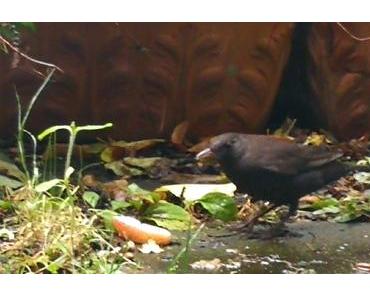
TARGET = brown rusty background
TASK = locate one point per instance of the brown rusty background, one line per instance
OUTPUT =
(339, 75)
(147, 78)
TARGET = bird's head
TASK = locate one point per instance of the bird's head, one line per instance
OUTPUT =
(224, 147)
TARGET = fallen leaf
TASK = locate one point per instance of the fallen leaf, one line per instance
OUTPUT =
(219, 205)
(363, 267)
(91, 198)
(309, 199)
(119, 149)
(121, 169)
(47, 185)
(9, 182)
(120, 205)
(168, 215)
(154, 167)
(90, 181)
(7, 233)
(186, 178)
(79, 150)
(12, 170)
(285, 129)
(316, 139)
(178, 135)
(362, 177)
(116, 189)
(192, 192)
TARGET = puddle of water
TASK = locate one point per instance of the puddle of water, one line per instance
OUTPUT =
(310, 247)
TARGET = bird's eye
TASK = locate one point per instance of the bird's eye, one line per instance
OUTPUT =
(232, 141)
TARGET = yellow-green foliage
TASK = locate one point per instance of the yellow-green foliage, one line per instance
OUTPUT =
(53, 235)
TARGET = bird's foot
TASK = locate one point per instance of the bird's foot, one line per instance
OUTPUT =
(246, 226)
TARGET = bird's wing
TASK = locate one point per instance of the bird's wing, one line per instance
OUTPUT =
(285, 157)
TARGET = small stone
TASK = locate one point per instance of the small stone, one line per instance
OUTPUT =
(302, 263)
(212, 265)
(130, 245)
(232, 265)
(150, 247)
(232, 251)
(129, 255)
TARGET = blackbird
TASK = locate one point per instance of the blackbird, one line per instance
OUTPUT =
(275, 169)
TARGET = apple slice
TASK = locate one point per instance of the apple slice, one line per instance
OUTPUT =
(132, 229)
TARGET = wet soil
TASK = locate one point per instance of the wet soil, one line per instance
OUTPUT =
(307, 247)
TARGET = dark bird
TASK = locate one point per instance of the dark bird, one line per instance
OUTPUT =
(275, 169)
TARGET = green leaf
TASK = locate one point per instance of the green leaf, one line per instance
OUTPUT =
(9, 182)
(168, 215)
(120, 169)
(69, 172)
(346, 217)
(5, 205)
(325, 203)
(28, 25)
(144, 163)
(11, 170)
(219, 205)
(52, 130)
(135, 190)
(107, 216)
(327, 209)
(53, 267)
(93, 127)
(91, 198)
(46, 186)
(119, 205)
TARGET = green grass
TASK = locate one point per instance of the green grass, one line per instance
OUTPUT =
(53, 235)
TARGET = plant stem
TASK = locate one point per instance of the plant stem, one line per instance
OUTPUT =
(22, 122)
(20, 145)
(72, 139)
(34, 98)
(3, 40)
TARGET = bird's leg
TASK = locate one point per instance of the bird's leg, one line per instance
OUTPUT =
(280, 226)
(250, 223)
(292, 209)
(247, 226)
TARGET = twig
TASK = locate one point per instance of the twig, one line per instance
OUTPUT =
(3, 40)
(34, 98)
(350, 34)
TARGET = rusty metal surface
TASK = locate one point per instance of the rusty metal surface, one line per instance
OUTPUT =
(339, 74)
(148, 77)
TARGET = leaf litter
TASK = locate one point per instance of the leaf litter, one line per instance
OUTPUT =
(165, 162)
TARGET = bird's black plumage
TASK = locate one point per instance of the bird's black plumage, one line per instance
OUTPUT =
(274, 169)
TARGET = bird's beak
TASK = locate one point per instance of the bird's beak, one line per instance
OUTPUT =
(203, 154)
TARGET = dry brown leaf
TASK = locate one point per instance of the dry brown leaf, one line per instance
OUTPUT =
(178, 135)
(309, 199)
